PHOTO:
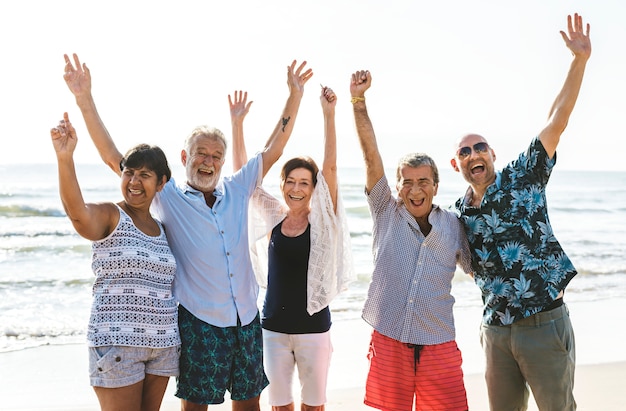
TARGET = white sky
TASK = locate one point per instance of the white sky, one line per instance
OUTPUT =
(440, 69)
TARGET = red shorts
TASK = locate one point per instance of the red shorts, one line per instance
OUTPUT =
(395, 377)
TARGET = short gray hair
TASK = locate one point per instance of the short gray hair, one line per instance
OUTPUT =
(205, 131)
(415, 160)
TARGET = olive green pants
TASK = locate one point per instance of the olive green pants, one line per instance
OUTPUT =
(536, 352)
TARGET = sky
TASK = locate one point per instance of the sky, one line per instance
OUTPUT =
(439, 70)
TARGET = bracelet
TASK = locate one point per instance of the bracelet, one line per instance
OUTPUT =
(356, 99)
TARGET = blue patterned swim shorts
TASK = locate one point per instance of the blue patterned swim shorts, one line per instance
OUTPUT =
(215, 359)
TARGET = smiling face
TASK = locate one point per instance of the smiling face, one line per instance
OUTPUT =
(416, 187)
(139, 186)
(477, 167)
(297, 188)
(203, 160)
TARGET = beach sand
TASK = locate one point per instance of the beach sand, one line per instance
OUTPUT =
(54, 377)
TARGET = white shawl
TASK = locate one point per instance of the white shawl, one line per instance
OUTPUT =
(330, 258)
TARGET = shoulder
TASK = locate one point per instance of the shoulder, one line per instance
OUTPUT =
(449, 216)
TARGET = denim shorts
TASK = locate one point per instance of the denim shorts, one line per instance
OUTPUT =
(115, 366)
(215, 359)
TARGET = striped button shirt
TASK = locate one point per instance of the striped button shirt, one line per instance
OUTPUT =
(409, 296)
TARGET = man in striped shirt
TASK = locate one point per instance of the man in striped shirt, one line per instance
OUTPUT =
(417, 246)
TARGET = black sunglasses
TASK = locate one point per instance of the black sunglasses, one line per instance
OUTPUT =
(479, 148)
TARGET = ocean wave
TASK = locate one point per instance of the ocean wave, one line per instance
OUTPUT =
(43, 250)
(12, 340)
(358, 211)
(39, 194)
(47, 283)
(29, 211)
(575, 210)
(26, 234)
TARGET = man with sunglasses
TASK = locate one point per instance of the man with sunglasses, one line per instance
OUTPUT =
(518, 263)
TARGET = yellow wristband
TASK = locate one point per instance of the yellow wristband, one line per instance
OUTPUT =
(355, 99)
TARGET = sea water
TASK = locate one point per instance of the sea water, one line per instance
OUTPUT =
(45, 267)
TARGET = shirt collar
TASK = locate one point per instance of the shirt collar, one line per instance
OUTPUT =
(218, 192)
(467, 198)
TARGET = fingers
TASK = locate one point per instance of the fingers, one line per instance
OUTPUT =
(575, 25)
(68, 124)
(306, 76)
(300, 67)
(76, 60)
(570, 28)
(360, 77)
(65, 127)
(240, 97)
(328, 94)
(76, 66)
(303, 77)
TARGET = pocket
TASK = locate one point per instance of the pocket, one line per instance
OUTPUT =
(563, 333)
(107, 358)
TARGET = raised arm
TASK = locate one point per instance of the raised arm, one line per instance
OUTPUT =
(296, 79)
(579, 44)
(374, 169)
(91, 221)
(329, 167)
(239, 107)
(78, 79)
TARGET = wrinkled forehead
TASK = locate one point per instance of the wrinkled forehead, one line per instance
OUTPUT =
(422, 172)
(206, 142)
(469, 140)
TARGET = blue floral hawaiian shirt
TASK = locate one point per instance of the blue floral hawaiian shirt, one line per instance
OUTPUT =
(519, 265)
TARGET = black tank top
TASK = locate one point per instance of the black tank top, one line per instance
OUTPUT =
(284, 309)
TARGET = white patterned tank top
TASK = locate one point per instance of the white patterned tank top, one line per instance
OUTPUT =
(132, 293)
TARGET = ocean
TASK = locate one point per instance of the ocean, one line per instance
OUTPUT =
(45, 267)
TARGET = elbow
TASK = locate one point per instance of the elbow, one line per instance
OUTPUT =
(558, 125)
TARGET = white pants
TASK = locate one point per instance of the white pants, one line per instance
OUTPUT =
(311, 353)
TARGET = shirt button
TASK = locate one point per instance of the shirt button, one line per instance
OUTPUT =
(232, 275)
(227, 253)
(118, 359)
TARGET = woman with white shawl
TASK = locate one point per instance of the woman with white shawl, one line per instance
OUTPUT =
(300, 249)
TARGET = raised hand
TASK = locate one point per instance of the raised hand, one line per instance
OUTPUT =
(77, 77)
(64, 136)
(328, 98)
(239, 106)
(297, 79)
(361, 81)
(576, 40)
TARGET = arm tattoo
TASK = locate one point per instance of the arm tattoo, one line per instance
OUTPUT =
(285, 122)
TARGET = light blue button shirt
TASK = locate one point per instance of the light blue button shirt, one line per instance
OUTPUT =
(214, 278)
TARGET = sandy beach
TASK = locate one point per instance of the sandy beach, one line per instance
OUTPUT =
(54, 377)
